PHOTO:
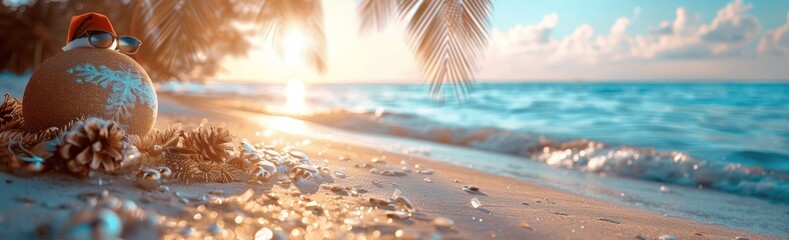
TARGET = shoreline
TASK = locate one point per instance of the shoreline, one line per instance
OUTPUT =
(507, 203)
(642, 214)
(664, 199)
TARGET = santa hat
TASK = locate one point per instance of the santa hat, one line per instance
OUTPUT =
(86, 22)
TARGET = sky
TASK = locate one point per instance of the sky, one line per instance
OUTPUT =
(535, 40)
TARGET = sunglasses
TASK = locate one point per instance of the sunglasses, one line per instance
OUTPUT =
(102, 39)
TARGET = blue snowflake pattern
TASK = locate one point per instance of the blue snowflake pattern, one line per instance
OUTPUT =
(126, 88)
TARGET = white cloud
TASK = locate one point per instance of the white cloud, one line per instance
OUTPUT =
(533, 34)
(776, 41)
(684, 38)
(731, 28)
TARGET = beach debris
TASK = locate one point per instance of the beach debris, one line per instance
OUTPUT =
(148, 179)
(165, 172)
(363, 165)
(376, 160)
(212, 144)
(397, 193)
(406, 166)
(470, 188)
(282, 212)
(312, 206)
(475, 203)
(336, 189)
(443, 222)
(425, 171)
(379, 201)
(666, 237)
(11, 113)
(105, 217)
(427, 179)
(402, 200)
(300, 155)
(97, 145)
(263, 170)
(22, 161)
(608, 220)
(361, 190)
(373, 170)
(353, 191)
(344, 158)
(272, 155)
(264, 234)
(664, 189)
(189, 167)
(397, 215)
(92, 224)
(303, 171)
(526, 225)
(393, 172)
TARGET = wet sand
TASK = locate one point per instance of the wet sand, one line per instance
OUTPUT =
(511, 209)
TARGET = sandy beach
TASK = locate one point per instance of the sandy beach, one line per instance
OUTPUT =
(510, 209)
(394, 119)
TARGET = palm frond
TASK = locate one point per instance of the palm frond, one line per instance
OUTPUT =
(186, 39)
(277, 18)
(376, 13)
(447, 36)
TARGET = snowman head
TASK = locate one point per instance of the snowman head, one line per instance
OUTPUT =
(94, 30)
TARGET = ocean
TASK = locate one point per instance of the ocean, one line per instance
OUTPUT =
(732, 137)
(713, 152)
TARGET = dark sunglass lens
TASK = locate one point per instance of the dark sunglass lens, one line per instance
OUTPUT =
(129, 44)
(101, 39)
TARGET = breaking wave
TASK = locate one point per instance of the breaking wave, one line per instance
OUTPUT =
(675, 167)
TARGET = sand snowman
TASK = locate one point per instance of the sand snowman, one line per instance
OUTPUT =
(93, 77)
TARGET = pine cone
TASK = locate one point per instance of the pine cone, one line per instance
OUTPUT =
(10, 113)
(213, 144)
(95, 144)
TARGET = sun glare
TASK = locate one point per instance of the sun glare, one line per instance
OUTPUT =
(294, 44)
(294, 95)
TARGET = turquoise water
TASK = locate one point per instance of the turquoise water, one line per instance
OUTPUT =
(732, 137)
(728, 123)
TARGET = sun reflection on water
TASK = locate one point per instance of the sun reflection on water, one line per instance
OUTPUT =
(294, 95)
